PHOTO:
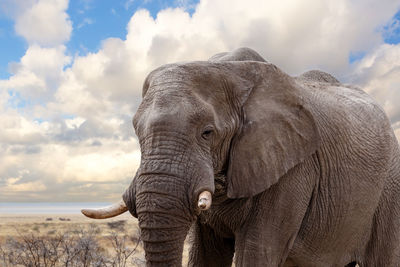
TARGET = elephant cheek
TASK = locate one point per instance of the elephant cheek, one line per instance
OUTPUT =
(129, 198)
(203, 181)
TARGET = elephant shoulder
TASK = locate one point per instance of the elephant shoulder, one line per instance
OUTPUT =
(318, 76)
(349, 108)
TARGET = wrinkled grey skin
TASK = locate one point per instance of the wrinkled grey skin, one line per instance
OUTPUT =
(304, 170)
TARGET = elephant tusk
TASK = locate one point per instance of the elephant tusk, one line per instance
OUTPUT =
(204, 202)
(106, 212)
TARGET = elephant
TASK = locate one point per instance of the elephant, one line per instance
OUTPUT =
(262, 168)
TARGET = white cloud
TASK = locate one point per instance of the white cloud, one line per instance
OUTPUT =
(111, 165)
(74, 123)
(45, 22)
(19, 130)
(13, 186)
(379, 74)
(38, 74)
(61, 169)
(397, 130)
(296, 36)
(128, 4)
(86, 21)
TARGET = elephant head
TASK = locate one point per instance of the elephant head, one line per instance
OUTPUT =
(245, 120)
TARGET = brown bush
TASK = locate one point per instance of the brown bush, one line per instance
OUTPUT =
(70, 250)
(117, 225)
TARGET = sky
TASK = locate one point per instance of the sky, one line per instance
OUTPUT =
(71, 74)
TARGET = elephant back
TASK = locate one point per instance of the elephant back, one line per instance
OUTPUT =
(240, 54)
(318, 76)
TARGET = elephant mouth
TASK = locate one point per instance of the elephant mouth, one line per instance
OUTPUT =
(220, 192)
(204, 201)
(162, 230)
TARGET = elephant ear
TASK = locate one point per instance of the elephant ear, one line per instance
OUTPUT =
(278, 130)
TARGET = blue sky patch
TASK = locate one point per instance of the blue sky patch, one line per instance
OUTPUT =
(96, 21)
(12, 47)
(391, 32)
(92, 21)
(16, 101)
(356, 56)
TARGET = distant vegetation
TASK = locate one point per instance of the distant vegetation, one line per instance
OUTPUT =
(73, 248)
(117, 225)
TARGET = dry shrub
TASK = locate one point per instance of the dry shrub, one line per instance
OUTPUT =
(117, 225)
(121, 249)
(70, 249)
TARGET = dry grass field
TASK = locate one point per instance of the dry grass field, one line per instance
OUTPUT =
(70, 240)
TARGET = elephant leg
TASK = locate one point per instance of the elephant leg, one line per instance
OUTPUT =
(267, 239)
(210, 249)
(270, 231)
(253, 250)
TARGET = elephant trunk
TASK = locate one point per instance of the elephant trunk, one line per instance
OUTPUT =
(166, 196)
(167, 251)
(164, 218)
(163, 237)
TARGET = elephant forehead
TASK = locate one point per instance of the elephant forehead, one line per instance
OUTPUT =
(173, 98)
(188, 92)
(189, 74)
(195, 84)
(168, 109)
(176, 112)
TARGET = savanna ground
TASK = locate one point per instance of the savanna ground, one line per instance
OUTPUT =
(70, 240)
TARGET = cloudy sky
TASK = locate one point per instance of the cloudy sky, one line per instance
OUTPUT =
(71, 74)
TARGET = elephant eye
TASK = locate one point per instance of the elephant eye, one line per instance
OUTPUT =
(207, 134)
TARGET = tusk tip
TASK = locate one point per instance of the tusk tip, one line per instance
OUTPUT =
(87, 213)
(204, 202)
(107, 212)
